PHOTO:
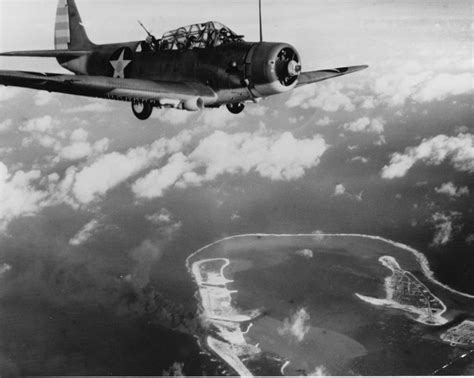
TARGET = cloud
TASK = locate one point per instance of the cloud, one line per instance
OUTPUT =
(44, 124)
(148, 253)
(459, 151)
(4, 268)
(296, 326)
(81, 150)
(164, 220)
(85, 233)
(470, 239)
(6, 126)
(43, 98)
(162, 217)
(444, 227)
(366, 125)
(328, 97)
(444, 85)
(360, 159)
(7, 93)
(172, 116)
(452, 191)
(323, 122)
(114, 168)
(18, 196)
(339, 190)
(319, 371)
(276, 157)
(44, 132)
(96, 107)
(308, 253)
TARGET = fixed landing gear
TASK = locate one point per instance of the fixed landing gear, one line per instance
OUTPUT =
(236, 108)
(142, 110)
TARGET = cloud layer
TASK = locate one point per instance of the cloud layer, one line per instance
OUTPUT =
(458, 151)
(276, 157)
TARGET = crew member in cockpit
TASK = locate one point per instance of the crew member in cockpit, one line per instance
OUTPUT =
(152, 42)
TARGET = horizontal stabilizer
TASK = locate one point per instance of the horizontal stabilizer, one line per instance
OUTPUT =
(315, 76)
(48, 53)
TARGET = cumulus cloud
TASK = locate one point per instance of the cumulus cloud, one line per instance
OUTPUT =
(329, 97)
(86, 233)
(7, 93)
(96, 107)
(44, 131)
(459, 151)
(4, 268)
(360, 159)
(412, 82)
(18, 195)
(444, 85)
(319, 371)
(6, 126)
(162, 217)
(165, 220)
(444, 224)
(277, 157)
(323, 122)
(339, 190)
(452, 190)
(40, 125)
(114, 168)
(296, 325)
(366, 125)
(43, 98)
(308, 253)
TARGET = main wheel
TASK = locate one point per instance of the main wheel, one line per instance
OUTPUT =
(236, 108)
(142, 110)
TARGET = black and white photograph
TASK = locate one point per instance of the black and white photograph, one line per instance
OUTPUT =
(236, 188)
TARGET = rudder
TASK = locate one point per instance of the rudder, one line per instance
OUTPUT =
(69, 33)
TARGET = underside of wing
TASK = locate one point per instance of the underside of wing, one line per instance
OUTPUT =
(133, 90)
(48, 53)
(315, 76)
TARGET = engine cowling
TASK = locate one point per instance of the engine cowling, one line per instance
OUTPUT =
(272, 68)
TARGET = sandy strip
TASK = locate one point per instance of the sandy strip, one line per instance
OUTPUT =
(216, 303)
(418, 255)
(426, 315)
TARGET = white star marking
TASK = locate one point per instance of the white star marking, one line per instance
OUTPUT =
(119, 65)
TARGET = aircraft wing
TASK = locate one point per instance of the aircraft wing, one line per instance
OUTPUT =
(315, 76)
(109, 88)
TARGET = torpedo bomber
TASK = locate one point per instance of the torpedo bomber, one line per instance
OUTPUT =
(205, 65)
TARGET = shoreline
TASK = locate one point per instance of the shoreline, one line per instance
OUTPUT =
(420, 257)
(227, 339)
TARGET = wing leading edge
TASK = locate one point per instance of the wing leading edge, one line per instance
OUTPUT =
(306, 78)
(109, 88)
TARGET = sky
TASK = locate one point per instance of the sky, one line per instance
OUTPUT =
(387, 151)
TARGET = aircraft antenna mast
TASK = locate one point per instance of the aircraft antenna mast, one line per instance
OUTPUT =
(260, 19)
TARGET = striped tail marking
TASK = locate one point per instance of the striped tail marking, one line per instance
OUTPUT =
(62, 32)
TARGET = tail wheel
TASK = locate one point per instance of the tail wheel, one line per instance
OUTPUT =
(142, 110)
(236, 108)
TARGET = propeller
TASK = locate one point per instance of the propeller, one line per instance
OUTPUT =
(288, 66)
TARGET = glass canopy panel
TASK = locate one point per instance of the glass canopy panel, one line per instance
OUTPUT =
(208, 34)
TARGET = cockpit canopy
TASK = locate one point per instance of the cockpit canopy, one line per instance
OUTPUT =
(208, 34)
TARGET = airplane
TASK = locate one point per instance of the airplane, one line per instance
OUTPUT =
(204, 65)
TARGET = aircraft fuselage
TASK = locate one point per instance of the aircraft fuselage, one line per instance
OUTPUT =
(237, 72)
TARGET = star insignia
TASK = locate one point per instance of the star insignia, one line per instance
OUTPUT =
(119, 65)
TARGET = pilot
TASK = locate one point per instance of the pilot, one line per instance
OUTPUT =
(152, 42)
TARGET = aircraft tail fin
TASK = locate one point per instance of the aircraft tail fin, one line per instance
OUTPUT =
(69, 33)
